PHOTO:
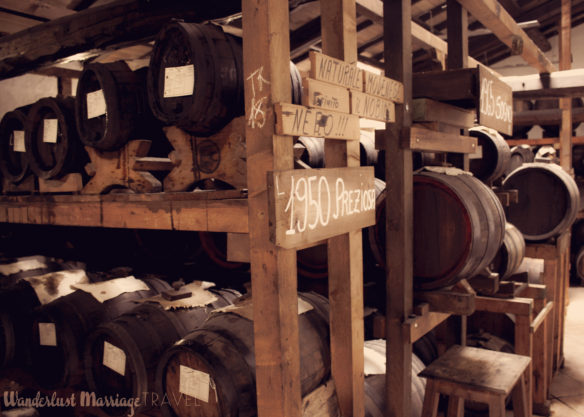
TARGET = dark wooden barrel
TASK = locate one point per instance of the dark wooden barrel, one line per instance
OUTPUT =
(519, 106)
(459, 225)
(494, 156)
(375, 393)
(511, 253)
(313, 154)
(548, 200)
(72, 318)
(579, 264)
(13, 156)
(140, 337)
(368, 154)
(553, 131)
(213, 62)
(49, 159)
(221, 353)
(520, 154)
(296, 82)
(110, 105)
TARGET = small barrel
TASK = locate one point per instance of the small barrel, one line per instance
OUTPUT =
(520, 154)
(459, 225)
(51, 138)
(520, 106)
(13, 156)
(511, 253)
(65, 324)
(195, 80)
(548, 200)
(493, 156)
(313, 156)
(375, 392)
(110, 105)
(133, 343)
(221, 353)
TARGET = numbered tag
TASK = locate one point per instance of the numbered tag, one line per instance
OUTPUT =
(18, 141)
(194, 383)
(95, 104)
(114, 358)
(179, 81)
(47, 334)
(50, 130)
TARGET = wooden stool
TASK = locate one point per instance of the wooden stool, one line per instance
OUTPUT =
(486, 376)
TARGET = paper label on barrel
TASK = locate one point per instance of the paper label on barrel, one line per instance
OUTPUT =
(114, 358)
(194, 383)
(18, 144)
(478, 154)
(50, 130)
(47, 334)
(106, 290)
(179, 81)
(95, 104)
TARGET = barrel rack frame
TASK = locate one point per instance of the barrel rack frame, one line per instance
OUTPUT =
(266, 47)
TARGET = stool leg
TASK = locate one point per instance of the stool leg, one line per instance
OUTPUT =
(497, 406)
(520, 405)
(431, 397)
(455, 406)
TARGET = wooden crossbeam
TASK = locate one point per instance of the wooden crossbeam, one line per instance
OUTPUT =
(568, 83)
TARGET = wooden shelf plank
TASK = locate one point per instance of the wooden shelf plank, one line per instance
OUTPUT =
(568, 83)
(199, 211)
(576, 140)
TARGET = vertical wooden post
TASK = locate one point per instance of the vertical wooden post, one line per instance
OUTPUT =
(345, 252)
(524, 346)
(266, 51)
(399, 213)
(566, 103)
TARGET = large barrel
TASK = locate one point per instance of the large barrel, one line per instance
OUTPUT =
(511, 253)
(65, 324)
(220, 357)
(110, 105)
(548, 200)
(494, 157)
(375, 392)
(205, 60)
(520, 154)
(134, 342)
(13, 157)
(51, 140)
(459, 225)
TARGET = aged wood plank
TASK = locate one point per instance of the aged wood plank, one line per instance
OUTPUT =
(457, 30)
(345, 252)
(320, 94)
(336, 71)
(427, 110)
(297, 120)
(383, 87)
(566, 102)
(421, 139)
(266, 48)
(517, 305)
(444, 301)
(549, 116)
(99, 27)
(566, 83)
(499, 21)
(372, 107)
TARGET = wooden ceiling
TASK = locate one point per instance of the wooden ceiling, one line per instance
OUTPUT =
(540, 19)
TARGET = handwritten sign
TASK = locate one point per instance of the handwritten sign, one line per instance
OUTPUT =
(307, 206)
(302, 121)
(383, 87)
(371, 107)
(319, 94)
(331, 70)
(495, 103)
(179, 81)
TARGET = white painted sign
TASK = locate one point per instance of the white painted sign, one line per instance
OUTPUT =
(95, 104)
(179, 81)
(114, 358)
(50, 130)
(18, 141)
(194, 383)
(47, 334)
(495, 103)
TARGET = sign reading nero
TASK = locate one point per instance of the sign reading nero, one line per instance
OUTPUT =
(307, 206)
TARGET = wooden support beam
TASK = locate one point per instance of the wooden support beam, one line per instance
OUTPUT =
(546, 117)
(496, 18)
(397, 28)
(566, 102)
(121, 21)
(345, 252)
(457, 29)
(266, 48)
(566, 83)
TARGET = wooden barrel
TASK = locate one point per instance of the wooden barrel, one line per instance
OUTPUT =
(137, 339)
(51, 138)
(553, 131)
(579, 263)
(68, 321)
(221, 353)
(511, 253)
(110, 105)
(13, 156)
(296, 82)
(205, 60)
(368, 154)
(519, 106)
(375, 392)
(520, 154)
(548, 200)
(313, 156)
(494, 154)
(459, 225)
